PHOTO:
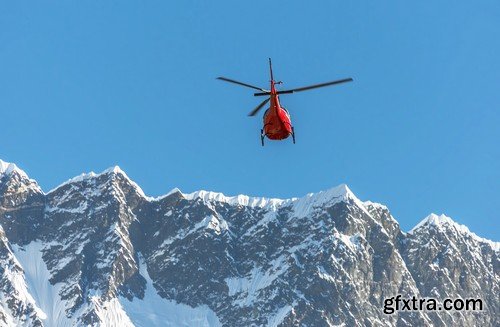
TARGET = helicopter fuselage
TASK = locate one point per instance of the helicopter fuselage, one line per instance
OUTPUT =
(277, 122)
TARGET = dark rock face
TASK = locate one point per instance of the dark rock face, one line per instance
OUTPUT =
(326, 259)
(458, 264)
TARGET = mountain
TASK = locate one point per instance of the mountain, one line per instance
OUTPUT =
(97, 251)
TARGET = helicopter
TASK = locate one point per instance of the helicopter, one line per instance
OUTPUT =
(277, 121)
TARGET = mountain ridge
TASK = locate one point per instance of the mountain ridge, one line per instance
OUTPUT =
(241, 199)
(324, 259)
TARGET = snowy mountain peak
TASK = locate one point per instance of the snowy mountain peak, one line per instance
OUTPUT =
(91, 175)
(434, 219)
(111, 172)
(337, 194)
(7, 168)
(340, 191)
(438, 221)
(114, 170)
(443, 222)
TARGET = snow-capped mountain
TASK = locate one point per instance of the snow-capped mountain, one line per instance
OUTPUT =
(97, 251)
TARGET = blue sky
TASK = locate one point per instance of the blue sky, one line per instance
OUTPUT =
(88, 85)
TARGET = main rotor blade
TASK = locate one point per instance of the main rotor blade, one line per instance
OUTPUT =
(305, 88)
(259, 94)
(240, 83)
(256, 110)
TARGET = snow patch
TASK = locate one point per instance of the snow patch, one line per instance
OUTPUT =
(281, 314)
(209, 222)
(218, 225)
(324, 275)
(15, 276)
(375, 205)
(110, 312)
(268, 217)
(256, 280)
(352, 242)
(80, 209)
(242, 200)
(154, 310)
(37, 276)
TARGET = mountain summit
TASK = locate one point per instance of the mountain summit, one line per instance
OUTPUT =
(96, 251)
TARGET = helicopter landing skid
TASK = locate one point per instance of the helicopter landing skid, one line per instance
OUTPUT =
(262, 136)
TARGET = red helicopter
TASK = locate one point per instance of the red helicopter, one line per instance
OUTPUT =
(277, 122)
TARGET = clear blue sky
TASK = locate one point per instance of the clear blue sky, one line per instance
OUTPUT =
(87, 85)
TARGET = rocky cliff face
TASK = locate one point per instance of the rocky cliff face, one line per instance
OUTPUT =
(97, 251)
